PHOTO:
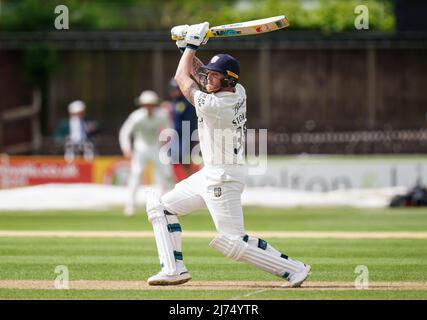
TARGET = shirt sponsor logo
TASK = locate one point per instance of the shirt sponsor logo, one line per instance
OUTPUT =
(180, 107)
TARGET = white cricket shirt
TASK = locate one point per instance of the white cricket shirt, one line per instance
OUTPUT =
(221, 128)
(144, 129)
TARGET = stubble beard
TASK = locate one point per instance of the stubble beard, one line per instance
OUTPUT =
(210, 88)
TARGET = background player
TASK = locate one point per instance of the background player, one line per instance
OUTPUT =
(143, 126)
(219, 184)
(185, 122)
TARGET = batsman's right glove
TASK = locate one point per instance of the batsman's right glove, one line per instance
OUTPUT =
(196, 35)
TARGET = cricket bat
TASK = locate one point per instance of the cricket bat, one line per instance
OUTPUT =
(247, 28)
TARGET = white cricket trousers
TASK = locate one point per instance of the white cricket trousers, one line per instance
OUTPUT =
(162, 172)
(222, 199)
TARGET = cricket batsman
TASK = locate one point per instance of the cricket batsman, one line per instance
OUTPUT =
(221, 109)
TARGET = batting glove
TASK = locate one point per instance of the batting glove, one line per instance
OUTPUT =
(196, 35)
(180, 32)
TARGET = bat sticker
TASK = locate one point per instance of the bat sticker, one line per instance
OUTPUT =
(233, 25)
(227, 32)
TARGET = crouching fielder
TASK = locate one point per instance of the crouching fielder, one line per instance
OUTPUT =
(220, 183)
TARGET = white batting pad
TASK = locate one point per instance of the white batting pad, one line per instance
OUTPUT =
(175, 236)
(235, 248)
(163, 241)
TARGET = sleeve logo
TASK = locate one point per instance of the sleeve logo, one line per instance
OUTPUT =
(201, 100)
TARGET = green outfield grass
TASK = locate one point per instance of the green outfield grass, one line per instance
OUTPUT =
(295, 219)
(333, 260)
(212, 294)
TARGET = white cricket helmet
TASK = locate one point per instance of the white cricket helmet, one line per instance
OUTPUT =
(76, 106)
(148, 97)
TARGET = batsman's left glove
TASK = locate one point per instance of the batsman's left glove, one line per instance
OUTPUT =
(180, 32)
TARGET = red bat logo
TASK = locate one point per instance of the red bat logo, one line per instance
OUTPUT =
(258, 29)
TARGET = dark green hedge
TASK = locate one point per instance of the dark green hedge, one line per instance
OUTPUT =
(325, 15)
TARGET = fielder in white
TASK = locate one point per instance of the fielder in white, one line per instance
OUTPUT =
(143, 126)
(219, 184)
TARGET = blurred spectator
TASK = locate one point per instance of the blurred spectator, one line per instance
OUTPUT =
(185, 122)
(144, 126)
(75, 132)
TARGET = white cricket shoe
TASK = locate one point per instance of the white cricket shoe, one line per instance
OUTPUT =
(163, 279)
(297, 278)
(130, 210)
